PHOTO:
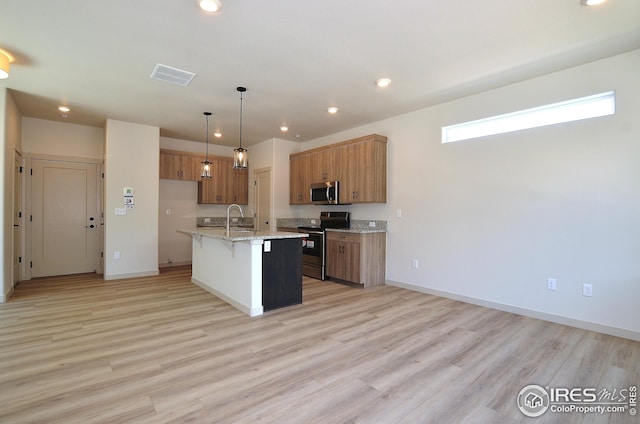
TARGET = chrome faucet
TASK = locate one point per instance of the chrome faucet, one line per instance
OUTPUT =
(229, 209)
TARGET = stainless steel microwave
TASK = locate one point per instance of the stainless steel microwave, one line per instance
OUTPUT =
(327, 193)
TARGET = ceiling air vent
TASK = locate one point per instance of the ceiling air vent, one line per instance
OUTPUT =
(172, 75)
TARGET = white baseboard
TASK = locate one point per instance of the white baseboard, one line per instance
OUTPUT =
(559, 319)
(252, 312)
(168, 265)
(5, 297)
(131, 275)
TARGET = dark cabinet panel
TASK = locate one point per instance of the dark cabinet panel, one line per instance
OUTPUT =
(282, 273)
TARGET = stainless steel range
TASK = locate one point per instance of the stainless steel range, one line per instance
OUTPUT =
(313, 247)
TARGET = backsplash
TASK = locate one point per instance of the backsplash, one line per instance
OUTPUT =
(221, 221)
(363, 224)
(297, 222)
(356, 224)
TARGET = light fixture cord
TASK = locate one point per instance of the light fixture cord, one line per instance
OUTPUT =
(207, 139)
(241, 119)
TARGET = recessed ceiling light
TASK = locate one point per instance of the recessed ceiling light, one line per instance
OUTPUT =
(332, 109)
(284, 128)
(591, 2)
(211, 6)
(217, 134)
(383, 82)
(64, 109)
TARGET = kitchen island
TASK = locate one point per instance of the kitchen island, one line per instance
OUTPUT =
(251, 270)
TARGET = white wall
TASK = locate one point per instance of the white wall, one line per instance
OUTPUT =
(132, 155)
(10, 141)
(181, 198)
(61, 139)
(490, 219)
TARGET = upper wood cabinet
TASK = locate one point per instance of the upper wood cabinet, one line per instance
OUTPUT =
(299, 179)
(360, 165)
(364, 168)
(240, 186)
(226, 186)
(175, 165)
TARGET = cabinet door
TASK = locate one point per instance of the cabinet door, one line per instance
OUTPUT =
(206, 192)
(224, 174)
(299, 182)
(351, 253)
(240, 186)
(343, 257)
(322, 166)
(364, 172)
(170, 166)
(335, 266)
(192, 168)
(218, 189)
(180, 167)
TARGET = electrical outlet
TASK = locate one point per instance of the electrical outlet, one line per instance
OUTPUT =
(116, 255)
(551, 284)
(398, 213)
(372, 224)
(414, 263)
(587, 290)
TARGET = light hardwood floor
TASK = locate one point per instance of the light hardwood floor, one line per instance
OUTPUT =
(159, 349)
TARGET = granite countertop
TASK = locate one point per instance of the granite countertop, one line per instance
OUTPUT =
(357, 230)
(240, 234)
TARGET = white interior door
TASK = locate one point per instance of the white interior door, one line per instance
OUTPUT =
(17, 219)
(65, 220)
(262, 177)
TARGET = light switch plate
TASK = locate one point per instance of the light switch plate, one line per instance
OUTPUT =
(121, 211)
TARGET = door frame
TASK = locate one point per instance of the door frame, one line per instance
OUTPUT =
(18, 209)
(28, 234)
(256, 195)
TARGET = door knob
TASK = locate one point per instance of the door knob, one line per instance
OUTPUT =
(89, 226)
(266, 222)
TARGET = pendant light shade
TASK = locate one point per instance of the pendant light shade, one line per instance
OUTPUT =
(240, 157)
(206, 165)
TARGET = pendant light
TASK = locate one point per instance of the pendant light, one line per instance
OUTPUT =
(240, 157)
(206, 165)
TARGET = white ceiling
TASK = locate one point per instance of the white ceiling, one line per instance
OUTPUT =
(295, 57)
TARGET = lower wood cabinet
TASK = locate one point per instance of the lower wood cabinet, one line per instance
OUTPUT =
(356, 257)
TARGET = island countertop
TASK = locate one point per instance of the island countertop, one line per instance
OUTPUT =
(240, 234)
(231, 265)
